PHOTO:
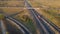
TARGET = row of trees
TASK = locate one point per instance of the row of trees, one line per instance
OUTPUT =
(9, 4)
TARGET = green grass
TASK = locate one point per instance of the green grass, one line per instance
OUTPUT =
(51, 11)
(53, 16)
(1, 16)
(28, 22)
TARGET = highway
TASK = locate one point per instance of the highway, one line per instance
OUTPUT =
(7, 28)
(10, 25)
(49, 22)
(3, 27)
(21, 25)
(44, 26)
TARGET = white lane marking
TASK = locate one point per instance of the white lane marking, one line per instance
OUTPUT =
(48, 24)
(41, 24)
(20, 24)
(16, 25)
(38, 20)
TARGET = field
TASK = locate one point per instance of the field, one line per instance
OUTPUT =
(49, 9)
(12, 7)
(11, 3)
(27, 20)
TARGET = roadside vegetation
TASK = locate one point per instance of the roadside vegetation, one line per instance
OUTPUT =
(50, 9)
(54, 16)
(2, 16)
(28, 22)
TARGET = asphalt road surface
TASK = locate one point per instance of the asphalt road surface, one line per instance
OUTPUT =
(8, 28)
(42, 24)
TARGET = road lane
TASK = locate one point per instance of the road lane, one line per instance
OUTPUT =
(22, 26)
(45, 22)
(48, 21)
(16, 25)
(12, 28)
(42, 29)
(3, 27)
(8, 28)
(47, 27)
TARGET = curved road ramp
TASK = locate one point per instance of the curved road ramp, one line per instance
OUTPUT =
(10, 25)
